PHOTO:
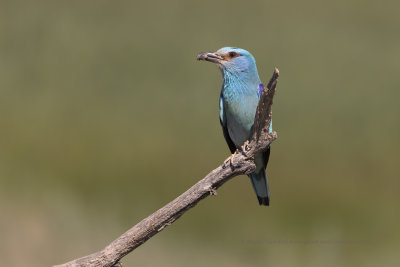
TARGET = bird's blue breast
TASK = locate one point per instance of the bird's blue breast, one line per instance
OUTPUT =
(239, 106)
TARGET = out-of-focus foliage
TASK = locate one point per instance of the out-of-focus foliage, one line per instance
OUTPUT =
(101, 101)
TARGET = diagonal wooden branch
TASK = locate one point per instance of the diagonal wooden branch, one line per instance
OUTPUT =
(242, 162)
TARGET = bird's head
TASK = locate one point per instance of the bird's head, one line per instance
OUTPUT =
(231, 59)
(236, 64)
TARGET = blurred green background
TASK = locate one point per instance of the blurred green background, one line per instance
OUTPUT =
(106, 116)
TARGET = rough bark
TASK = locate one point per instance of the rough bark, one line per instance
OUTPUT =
(241, 162)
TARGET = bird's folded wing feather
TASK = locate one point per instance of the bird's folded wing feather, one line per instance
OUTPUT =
(222, 120)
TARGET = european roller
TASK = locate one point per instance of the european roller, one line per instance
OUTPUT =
(241, 90)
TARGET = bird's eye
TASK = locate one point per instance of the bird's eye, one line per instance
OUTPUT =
(233, 54)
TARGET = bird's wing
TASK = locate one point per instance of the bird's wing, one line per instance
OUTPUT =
(260, 89)
(222, 120)
(266, 156)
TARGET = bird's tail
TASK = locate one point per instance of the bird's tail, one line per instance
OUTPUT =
(260, 185)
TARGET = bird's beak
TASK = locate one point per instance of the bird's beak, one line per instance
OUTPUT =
(210, 56)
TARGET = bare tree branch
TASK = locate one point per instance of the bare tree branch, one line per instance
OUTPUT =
(241, 162)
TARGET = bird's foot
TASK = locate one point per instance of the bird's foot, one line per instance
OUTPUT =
(245, 147)
(243, 150)
(228, 161)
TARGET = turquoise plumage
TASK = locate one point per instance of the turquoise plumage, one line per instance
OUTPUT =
(241, 89)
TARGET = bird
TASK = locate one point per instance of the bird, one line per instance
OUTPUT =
(240, 93)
